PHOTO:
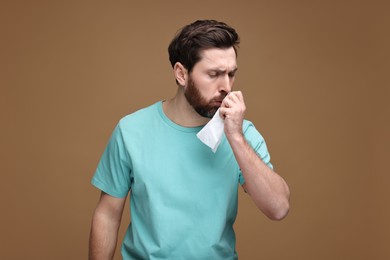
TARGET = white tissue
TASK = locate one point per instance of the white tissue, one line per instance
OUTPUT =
(212, 133)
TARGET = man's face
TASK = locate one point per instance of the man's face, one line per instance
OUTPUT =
(211, 80)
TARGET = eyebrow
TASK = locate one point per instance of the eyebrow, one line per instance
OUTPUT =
(221, 71)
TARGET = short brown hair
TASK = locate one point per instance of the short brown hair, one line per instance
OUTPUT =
(197, 36)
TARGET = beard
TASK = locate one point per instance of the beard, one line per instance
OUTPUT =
(204, 107)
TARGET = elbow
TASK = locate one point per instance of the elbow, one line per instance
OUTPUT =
(280, 215)
(280, 212)
(281, 207)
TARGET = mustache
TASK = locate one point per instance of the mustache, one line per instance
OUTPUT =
(220, 97)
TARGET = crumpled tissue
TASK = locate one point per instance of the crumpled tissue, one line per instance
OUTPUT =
(212, 133)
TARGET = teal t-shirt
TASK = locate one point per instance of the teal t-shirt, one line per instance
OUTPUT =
(183, 199)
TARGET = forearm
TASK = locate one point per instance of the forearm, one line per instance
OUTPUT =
(103, 237)
(268, 190)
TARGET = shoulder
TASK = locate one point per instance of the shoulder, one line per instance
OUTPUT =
(250, 131)
(139, 117)
(248, 126)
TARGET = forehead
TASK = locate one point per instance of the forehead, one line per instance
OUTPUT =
(215, 58)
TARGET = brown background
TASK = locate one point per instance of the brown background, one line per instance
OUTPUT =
(315, 78)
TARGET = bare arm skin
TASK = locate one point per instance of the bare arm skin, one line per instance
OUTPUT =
(267, 189)
(105, 225)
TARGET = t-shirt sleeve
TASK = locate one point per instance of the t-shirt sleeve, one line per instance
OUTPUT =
(113, 171)
(257, 142)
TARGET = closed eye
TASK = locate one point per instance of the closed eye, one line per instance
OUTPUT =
(217, 73)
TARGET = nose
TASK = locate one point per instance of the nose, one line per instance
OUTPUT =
(225, 83)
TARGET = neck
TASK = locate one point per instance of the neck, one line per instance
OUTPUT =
(181, 112)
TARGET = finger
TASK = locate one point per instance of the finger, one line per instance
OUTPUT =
(231, 101)
(222, 112)
(240, 96)
(236, 96)
(226, 102)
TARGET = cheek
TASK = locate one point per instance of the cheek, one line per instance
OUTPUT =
(209, 86)
(208, 91)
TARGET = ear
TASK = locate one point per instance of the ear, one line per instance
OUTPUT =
(181, 74)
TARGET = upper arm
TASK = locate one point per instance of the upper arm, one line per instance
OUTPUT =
(110, 207)
(105, 225)
(113, 174)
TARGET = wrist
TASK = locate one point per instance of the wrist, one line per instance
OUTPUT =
(235, 138)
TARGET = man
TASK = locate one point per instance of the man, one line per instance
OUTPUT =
(183, 199)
